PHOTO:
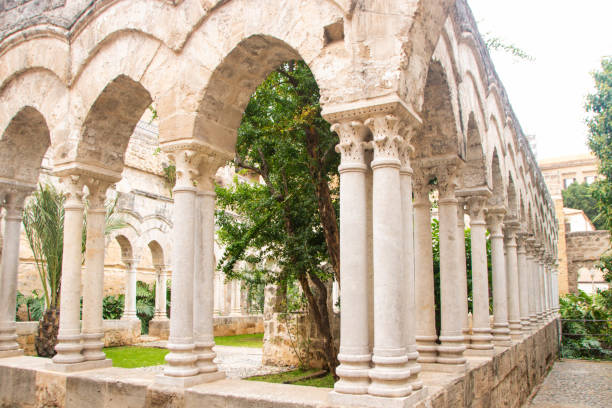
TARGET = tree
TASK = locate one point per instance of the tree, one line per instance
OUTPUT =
(582, 197)
(290, 218)
(43, 222)
(599, 106)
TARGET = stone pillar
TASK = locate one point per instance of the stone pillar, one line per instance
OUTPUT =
(203, 285)
(501, 332)
(523, 275)
(451, 348)
(462, 269)
(8, 270)
(129, 310)
(514, 313)
(537, 285)
(406, 175)
(235, 298)
(546, 285)
(424, 278)
(541, 290)
(354, 354)
(481, 338)
(69, 336)
(533, 314)
(390, 373)
(218, 295)
(161, 287)
(181, 366)
(93, 289)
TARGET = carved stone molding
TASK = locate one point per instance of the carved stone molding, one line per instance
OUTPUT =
(352, 146)
(73, 189)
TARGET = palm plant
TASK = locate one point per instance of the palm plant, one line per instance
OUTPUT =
(43, 221)
(145, 304)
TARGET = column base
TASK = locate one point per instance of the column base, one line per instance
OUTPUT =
(11, 353)
(480, 352)
(83, 366)
(444, 368)
(190, 381)
(516, 337)
(372, 401)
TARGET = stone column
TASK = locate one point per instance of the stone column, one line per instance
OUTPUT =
(546, 297)
(129, 310)
(537, 285)
(462, 269)
(424, 278)
(541, 289)
(69, 336)
(451, 348)
(390, 373)
(354, 354)
(235, 300)
(406, 175)
(203, 287)
(218, 295)
(93, 288)
(533, 314)
(161, 288)
(501, 332)
(481, 338)
(514, 313)
(9, 267)
(181, 366)
(523, 275)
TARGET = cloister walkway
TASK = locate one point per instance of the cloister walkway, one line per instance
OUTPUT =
(576, 384)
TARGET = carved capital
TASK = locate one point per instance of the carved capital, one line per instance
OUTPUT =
(495, 218)
(97, 192)
(73, 189)
(14, 200)
(448, 180)
(476, 208)
(421, 187)
(386, 141)
(352, 145)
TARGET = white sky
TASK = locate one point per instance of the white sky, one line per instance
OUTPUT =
(567, 40)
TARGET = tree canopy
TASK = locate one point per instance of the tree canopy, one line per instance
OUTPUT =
(583, 197)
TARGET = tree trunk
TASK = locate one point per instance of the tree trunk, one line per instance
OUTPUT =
(47, 333)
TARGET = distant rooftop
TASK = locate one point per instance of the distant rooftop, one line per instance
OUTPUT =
(565, 160)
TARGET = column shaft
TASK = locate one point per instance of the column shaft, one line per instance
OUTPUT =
(523, 286)
(501, 332)
(462, 291)
(129, 312)
(514, 314)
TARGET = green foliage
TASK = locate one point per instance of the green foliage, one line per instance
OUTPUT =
(241, 340)
(583, 197)
(599, 122)
(145, 304)
(586, 325)
(34, 304)
(112, 307)
(132, 357)
(497, 44)
(43, 222)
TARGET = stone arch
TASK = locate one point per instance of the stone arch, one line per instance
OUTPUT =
(475, 171)
(23, 144)
(499, 197)
(162, 247)
(513, 201)
(127, 249)
(157, 252)
(109, 124)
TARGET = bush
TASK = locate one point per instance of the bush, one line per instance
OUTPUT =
(112, 307)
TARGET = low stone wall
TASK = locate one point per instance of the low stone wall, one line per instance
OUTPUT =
(116, 333)
(504, 380)
(223, 326)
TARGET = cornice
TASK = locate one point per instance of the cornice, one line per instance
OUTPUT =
(364, 109)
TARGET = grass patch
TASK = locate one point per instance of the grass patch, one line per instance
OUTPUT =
(321, 382)
(131, 357)
(241, 340)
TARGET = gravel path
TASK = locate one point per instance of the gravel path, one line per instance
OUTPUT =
(237, 362)
(576, 384)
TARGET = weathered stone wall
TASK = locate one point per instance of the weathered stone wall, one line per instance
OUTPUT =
(116, 333)
(584, 250)
(222, 326)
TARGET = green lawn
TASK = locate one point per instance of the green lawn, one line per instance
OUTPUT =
(322, 382)
(130, 357)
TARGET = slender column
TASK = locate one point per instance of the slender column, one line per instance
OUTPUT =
(160, 292)
(390, 374)
(514, 314)
(533, 314)
(8, 271)
(406, 174)
(424, 278)
(481, 338)
(235, 300)
(354, 355)
(69, 336)
(523, 284)
(546, 297)
(129, 311)
(501, 332)
(218, 293)
(462, 270)
(556, 292)
(181, 360)
(541, 288)
(203, 288)
(538, 285)
(93, 290)
(451, 348)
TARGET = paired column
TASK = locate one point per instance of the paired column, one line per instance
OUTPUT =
(523, 275)
(424, 277)
(129, 310)
(481, 338)
(501, 332)
(540, 283)
(93, 289)
(451, 348)
(9, 269)
(462, 270)
(69, 346)
(390, 373)
(161, 287)
(354, 355)
(533, 313)
(235, 298)
(514, 315)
